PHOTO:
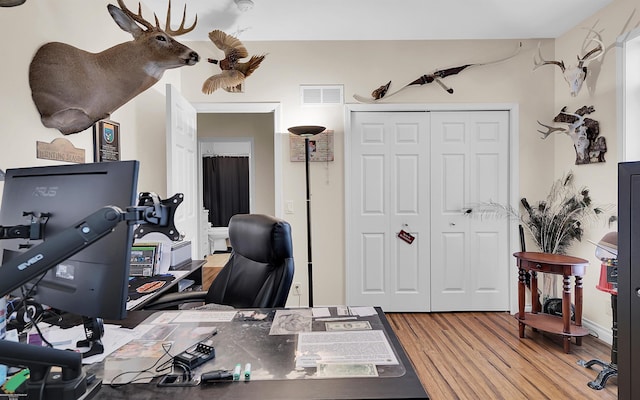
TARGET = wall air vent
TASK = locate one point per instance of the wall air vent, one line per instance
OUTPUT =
(313, 95)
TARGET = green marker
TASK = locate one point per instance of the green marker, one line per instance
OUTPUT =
(247, 371)
(236, 372)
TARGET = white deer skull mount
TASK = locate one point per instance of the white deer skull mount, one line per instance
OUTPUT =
(574, 75)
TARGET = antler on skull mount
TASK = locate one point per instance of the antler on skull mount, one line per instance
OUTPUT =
(574, 76)
(540, 61)
(592, 54)
(140, 19)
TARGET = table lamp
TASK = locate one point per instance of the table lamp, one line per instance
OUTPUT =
(306, 131)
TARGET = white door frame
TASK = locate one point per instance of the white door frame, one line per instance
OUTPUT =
(181, 157)
(240, 142)
(514, 162)
(274, 108)
(627, 61)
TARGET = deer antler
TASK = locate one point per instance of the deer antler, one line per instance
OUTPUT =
(550, 130)
(140, 19)
(598, 51)
(136, 17)
(181, 30)
(541, 61)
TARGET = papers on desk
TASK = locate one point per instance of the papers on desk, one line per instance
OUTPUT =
(362, 311)
(343, 311)
(136, 362)
(194, 316)
(114, 338)
(290, 322)
(347, 347)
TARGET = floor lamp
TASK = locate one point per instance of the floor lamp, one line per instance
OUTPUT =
(306, 132)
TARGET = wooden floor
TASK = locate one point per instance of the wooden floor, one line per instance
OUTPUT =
(480, 356)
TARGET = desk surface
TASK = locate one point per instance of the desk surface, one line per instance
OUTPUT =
(274, 374)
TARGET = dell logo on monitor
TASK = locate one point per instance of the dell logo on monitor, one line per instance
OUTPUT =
(30, 262)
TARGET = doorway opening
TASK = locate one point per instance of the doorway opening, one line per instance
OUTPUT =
(227, 177)
(254, 127)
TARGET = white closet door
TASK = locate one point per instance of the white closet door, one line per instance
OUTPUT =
(389, 177)
(469, 255)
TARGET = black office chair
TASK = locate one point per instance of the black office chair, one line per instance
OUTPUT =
(258, 273)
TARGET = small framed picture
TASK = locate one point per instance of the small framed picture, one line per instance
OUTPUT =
(320, 147)
(106, 141)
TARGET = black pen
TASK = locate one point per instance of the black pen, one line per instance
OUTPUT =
(216, 376)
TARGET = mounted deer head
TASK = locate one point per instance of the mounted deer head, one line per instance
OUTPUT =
(574, 76)
(72, 88)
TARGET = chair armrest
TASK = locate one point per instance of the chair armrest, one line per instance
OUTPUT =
(173, 300)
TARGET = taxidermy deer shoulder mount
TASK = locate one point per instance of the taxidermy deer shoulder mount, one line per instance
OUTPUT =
(72, 88)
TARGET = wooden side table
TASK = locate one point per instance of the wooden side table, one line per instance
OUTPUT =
(559, 264)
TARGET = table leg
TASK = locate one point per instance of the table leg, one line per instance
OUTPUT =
(578, 306)
(566, 311)
(535, 296)
(521, 289)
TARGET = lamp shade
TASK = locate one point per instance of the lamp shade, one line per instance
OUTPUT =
(307, 130)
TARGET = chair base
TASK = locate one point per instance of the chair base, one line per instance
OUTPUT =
(608, 370)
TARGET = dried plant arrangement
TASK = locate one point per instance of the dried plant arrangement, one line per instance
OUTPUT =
(555, 223)
(559, 220)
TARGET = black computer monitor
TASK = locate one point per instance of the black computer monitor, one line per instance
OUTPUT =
(93, 282)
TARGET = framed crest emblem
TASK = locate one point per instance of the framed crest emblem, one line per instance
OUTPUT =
(106, 141)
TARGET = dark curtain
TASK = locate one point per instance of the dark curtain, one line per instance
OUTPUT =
(226, 187)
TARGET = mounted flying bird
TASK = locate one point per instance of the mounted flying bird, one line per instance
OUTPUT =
(233, 72)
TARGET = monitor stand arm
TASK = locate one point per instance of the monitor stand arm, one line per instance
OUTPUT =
(33, 231)
(70, 383)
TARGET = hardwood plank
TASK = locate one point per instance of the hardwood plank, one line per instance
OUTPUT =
(479, 355)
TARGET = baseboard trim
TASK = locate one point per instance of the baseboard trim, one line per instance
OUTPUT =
(598, 331)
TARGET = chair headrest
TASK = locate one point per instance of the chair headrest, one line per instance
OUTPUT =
(260, 237)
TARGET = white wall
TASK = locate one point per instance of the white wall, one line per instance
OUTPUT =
(362, 67)
(600, 91)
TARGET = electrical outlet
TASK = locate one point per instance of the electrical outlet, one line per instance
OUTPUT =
(297, 289)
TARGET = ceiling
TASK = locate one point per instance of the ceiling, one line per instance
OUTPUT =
(277, 20)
